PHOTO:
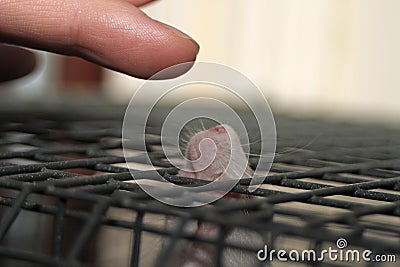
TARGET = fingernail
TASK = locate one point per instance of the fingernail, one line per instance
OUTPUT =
(182, 35)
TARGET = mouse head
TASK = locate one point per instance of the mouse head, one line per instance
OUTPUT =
(214, 153)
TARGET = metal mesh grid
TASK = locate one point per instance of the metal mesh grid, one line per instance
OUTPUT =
(63, 179)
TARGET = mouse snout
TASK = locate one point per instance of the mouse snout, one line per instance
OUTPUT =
(218, 129)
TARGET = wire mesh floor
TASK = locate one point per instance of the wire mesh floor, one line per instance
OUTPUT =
(67, 197)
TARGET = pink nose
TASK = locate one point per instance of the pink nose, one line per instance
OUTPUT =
(218, 129)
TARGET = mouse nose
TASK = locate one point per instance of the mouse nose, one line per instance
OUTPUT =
(218, 129)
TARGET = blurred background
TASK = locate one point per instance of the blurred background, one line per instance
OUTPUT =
(331, 59)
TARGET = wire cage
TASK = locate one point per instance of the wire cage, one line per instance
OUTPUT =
(67, 197)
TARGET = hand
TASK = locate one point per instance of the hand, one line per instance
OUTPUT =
(112, 33)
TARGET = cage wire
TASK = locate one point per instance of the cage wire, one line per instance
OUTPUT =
(67, 196)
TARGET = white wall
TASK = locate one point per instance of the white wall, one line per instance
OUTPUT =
(337, 58)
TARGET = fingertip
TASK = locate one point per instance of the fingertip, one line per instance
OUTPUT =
(139, 3)
(141, 47)
(173, 71)
(173, 49)
(175, 57)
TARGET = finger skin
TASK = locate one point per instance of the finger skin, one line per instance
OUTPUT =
(113, 33)
(139, 2)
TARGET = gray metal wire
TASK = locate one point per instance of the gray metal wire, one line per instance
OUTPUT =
(65, 156)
